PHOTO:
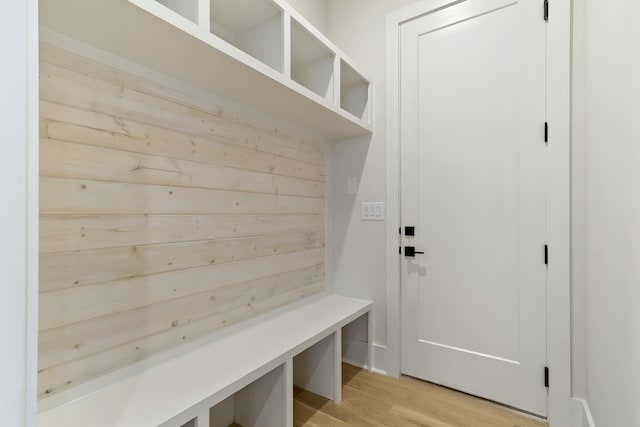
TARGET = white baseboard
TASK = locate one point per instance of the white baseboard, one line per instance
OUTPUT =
(582, 414)
(380, 359)
(354, 352)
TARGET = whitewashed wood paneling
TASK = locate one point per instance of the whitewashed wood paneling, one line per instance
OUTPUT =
(163, 218)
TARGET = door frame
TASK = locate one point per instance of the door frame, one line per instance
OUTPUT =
(558, 193)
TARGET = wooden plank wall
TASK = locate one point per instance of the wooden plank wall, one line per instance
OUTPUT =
(163, 218)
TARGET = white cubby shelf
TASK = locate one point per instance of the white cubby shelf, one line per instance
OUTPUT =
(256, 28)
(258, 53)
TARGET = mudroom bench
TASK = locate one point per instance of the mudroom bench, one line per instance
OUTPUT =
(245, 376)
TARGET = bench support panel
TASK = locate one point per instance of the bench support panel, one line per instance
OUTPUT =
(319, 368)
(357, 342)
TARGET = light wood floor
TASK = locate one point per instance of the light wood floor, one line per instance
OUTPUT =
(374, 400)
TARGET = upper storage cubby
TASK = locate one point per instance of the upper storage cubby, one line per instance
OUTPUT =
(312, 62)
(261, 54)
(354, 91)
(185, 8)
(253, 26)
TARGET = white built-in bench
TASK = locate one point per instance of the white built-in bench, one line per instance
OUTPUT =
(246, 376)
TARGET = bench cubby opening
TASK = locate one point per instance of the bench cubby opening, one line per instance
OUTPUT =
(318, 368)
(255, 28)
(191, 423)
(355, 338)
(259, 404)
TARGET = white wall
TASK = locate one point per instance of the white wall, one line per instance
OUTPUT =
(315, 11)
(578, 255)
(612, 206)
(358, 248)
(17, 107)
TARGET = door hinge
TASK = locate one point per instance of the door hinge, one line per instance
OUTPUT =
(400, 250)
(546, 132)
(546, 376)
(546, 254)
(546, 10)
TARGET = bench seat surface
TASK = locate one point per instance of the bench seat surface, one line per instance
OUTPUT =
(210, 373)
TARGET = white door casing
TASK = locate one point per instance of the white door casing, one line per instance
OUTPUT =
(473, 174)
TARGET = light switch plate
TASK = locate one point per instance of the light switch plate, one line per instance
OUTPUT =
(373, 211)
(352, 185)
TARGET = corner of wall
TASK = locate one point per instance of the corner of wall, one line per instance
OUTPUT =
(581, 414)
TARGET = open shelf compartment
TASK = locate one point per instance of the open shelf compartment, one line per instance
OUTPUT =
(185, 8)
(318, 368)
(354, 92)
(262, 403)
(312, 63)
(255, 28)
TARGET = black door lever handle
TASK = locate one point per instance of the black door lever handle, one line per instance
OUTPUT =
(411, 251)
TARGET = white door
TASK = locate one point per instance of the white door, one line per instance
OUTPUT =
(473, 186)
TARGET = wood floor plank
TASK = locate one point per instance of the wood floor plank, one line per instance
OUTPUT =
(304, 415)
(373, 400)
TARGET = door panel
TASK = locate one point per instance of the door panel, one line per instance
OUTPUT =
(473, 184)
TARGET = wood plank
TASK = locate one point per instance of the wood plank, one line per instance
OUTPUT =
(68, 87)
(71, 124)
(56, 56)
(78, 268)
(304, 415)
(345, 413)
(81, 232)
(64, 196)
(374, 400)
(66, 306)
(61, 345)
(164, 217)
(67, 375)
(70, 160)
